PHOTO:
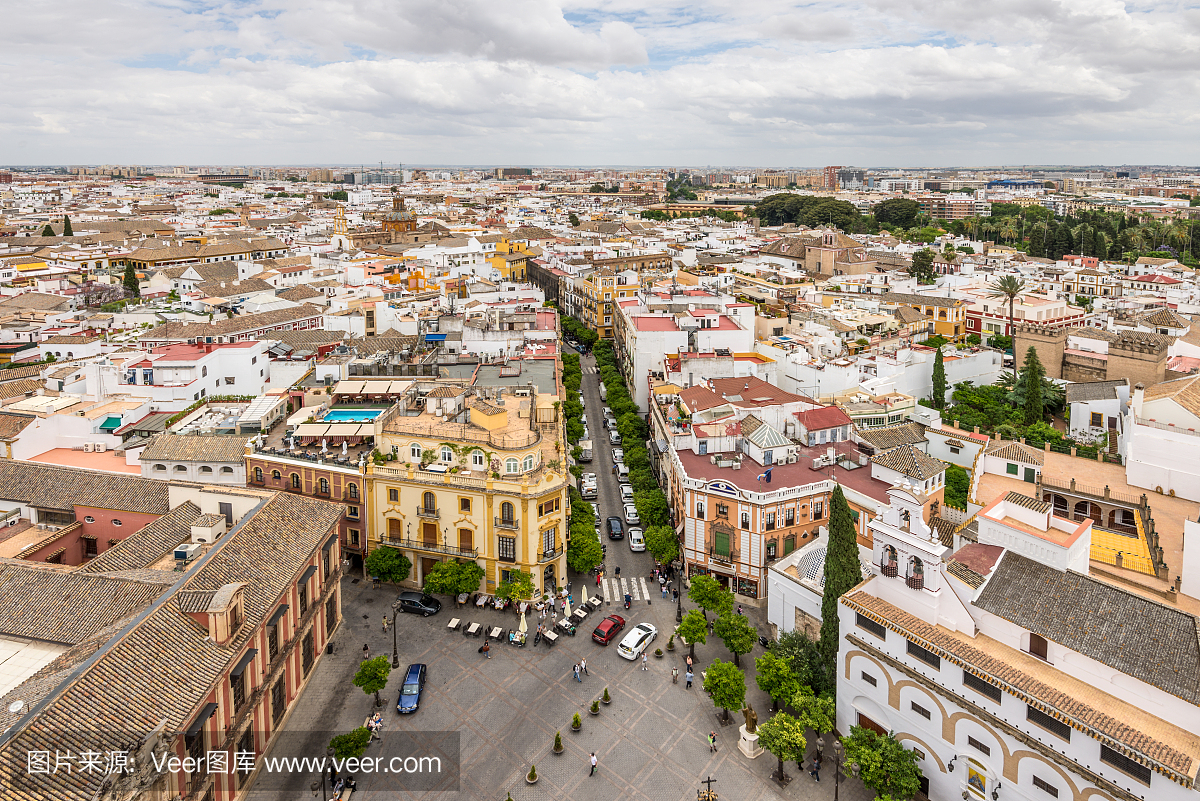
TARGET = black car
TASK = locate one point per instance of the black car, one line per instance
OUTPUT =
(410, 691)
(419, 603)
(616, 528)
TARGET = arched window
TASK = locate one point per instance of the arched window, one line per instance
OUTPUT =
(414, 451)
(227, 471)
(477, 459)
(295, 481)
(160, 468)
(429, 501)
(352, 489)
(179, 468)
(528, 465)
(916, 573)
(205, 469)
(276, 475)
(447, 454)
(506, 512)
(511, 465)
(324, 486)
(258, 474)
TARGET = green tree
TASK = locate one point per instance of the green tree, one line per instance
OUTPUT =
(1037, 242)
(801, 652)
(710, 596)
(388, 564)
(774, 676)
(693, 629)
(1009, 288)
(130, 281)
(453, 577)
(885, 766)
(662, 542)
(783, 736)
(939, 381)
(351, 745)
(67, 227)
(817, 712)
(372, 676)
(737, 634)
(48, 230)
(958, 487)
(897, 211)
(518, 586)
(573, 219)
(584, 552)
(652, 507)
(922, 266)
(726, 684)
(1032, 375)
(1064, 243)
(842, 572)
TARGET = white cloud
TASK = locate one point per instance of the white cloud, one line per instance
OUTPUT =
(603, 81)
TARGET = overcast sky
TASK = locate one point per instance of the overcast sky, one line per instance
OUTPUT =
(663, 82)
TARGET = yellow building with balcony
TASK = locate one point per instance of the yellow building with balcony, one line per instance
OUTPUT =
(511, 259)
(478, 474)
(948, 315)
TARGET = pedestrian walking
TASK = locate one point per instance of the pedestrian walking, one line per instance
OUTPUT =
(594, 762)
(645, 662)
(674, 595)
(385, 624)
(689, 663)
(597, 579)
(689, 676)
(739, 610)
(675, 675)
(617, 572)
(583, 667)
(487, 649)
(575, 672)
(815, 770)
(712, 742)
(664, 592)
(366, 652)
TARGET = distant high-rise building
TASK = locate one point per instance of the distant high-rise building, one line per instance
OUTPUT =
(831, 177)
(513, 172)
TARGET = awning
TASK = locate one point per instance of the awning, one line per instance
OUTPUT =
(240, 667)
(280, 612)
(662, 446)
(435, 337)
(308, 573)
(201, 719)
(328, 544)
(343, 430)
(110, 424)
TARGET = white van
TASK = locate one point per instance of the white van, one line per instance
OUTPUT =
(585, 445)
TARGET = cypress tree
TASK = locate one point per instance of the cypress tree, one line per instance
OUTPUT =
(1037, 243)
(1032, 374)
(939, 381)
(67, 227)
(842, 573)
(48, 230)
(130, 282)
(1063, 242)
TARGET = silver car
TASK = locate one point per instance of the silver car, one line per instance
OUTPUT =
(631, 515)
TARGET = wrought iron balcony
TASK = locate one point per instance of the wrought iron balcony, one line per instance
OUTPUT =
(431, 547)
(916, 581)
(425, 511)
(505, 522)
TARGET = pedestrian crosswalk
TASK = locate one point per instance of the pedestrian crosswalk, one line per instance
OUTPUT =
(590, 369)
(614, 589)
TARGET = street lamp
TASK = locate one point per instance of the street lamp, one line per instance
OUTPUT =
(395, 653)
(838, 763)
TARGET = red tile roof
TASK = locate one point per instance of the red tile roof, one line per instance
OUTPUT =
(823, 417)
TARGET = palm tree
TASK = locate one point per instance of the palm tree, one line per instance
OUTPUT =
(1009, 287)
(1008, 228)
(1179, 233)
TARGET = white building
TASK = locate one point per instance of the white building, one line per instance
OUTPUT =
(211, 459)
(1162, 452)
(1098, 409)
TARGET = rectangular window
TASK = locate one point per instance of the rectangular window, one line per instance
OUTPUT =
(978, 746)
(721, 542)
(353, 512)
(548, 537)
(982, 687)
(1097, 420)
(864, 622)
(273, 642)
(925, 655)
(955, 450)
(278, 706)
(746, 520)
(306, 653)
(464, 504)
(789, 516)
(1011, 468)
(506, 548)
(331, 616)
(723, 511)
(354, 534)
(818, 510)
(303, 592)
(238, 684)
(1045, 787)
(393, 496)
(89, 548)
(869, 679)
(920, 710)
(770, 522)
(1052, 725)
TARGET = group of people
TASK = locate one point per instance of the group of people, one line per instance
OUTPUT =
(375, 725)
(580, 670)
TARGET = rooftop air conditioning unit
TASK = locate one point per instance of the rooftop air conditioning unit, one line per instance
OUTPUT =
(101, 447)
(89, 447)
(792, 458)
(187, 551)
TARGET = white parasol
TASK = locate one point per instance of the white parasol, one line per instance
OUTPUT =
(523, 627)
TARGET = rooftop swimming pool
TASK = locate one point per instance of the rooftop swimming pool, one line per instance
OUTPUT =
(351, 415)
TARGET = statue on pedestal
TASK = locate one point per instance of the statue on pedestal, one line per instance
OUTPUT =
(751, 719)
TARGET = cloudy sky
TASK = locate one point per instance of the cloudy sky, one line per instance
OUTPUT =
(674, 82)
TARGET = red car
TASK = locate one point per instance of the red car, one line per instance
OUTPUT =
(608, 629)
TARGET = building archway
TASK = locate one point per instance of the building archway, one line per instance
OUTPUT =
(1087, 509)
(549, 582)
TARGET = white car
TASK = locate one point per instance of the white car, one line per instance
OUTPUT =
(637, 640)
(631, 515)
(637, 540)
(626, 493)
(618, 455)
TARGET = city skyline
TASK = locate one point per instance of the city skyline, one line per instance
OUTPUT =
(860, 82)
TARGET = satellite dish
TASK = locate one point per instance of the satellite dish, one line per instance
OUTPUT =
(16, 706)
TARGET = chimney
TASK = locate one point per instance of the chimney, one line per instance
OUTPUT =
(1135, 403)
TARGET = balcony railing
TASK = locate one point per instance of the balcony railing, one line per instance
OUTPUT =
(548, 556)
(425, 511)
(723, 558)
(505, 522)
(888, 569)
(431, 547)
(916, 581)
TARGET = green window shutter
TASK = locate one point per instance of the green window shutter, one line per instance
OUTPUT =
(721, 542)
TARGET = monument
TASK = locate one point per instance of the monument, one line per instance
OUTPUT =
(748, 741)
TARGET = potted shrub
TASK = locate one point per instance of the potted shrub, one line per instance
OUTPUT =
(658, 653)
(671, 643)
(595, 708)
(576, 722)
(531, 777)
(606, 698)
(558, 746)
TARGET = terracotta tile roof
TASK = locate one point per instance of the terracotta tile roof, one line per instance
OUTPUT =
(944, 530)
(1184, 391)
(921, 300)
(1164, 318)
(823, 417)
(973, 562)
(1084, 707)
(697, 399)
(911, 462)
(230, 325)
(12, 389)
(1026, 502)
(965, 574)
(169, 447)
(888, 437)
(1094, 390)
(53, 487)
(148, 545)
(1015, 452)
(752, 391)
(12, 424)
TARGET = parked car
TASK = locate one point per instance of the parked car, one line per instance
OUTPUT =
(614, 437)
(637, 540)
(626, 493)
(637, 640)
(410, 690)
(616, 529)
(608, 629)
(618, 455)
(419, 603)
(631, 514)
